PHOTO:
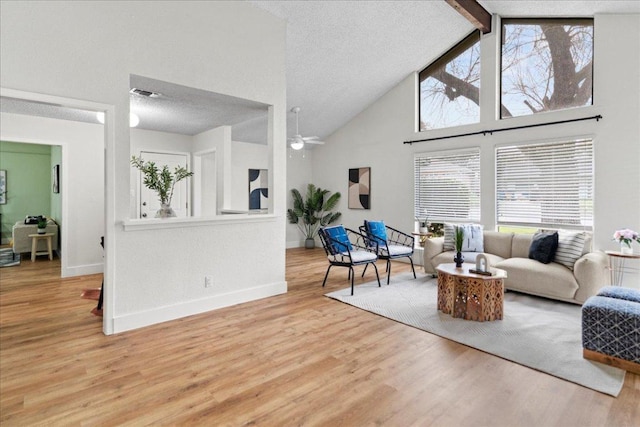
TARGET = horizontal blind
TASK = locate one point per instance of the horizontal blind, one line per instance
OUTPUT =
(547, 185)
(447, 186)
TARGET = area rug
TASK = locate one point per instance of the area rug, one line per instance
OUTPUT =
(535, 332)
(8, 258)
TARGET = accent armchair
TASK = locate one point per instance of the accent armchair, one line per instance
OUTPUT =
(347, 248)
(391, 243)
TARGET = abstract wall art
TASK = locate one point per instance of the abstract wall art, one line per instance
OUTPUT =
(258, 189)
(359, 188)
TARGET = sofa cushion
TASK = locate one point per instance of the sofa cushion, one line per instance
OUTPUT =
(520, 245)
(469, 257)
(548, 280)
(543, 246)
(498, 243)
(570, 247)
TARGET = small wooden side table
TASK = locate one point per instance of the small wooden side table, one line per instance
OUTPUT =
(616, 265)
(35, 238)
(470, 296)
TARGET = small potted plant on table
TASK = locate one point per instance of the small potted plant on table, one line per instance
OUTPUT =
(458, 240)
(42, 225)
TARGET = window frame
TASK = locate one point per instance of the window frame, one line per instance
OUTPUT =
(537, 21)
(584, 143)
(467, 42)
(474, 211)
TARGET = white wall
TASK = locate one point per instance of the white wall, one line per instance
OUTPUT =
(375, 138)
(87, 51)
(82, 184)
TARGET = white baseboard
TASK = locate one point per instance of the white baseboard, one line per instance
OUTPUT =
(189, 308)
(82, 270)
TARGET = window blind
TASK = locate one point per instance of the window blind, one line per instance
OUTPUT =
(545, 185)
(447, 186)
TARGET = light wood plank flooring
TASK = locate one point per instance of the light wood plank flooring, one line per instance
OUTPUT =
(294, 359)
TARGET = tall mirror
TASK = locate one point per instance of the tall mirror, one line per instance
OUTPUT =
(220, 139)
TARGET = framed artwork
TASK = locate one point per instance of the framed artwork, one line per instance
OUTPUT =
(56, 179)
(3, 187)
(359, 188)
(258, 189)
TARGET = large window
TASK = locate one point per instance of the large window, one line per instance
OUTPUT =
(450, 87)
(547, 65)
(447, 186)
(545, 185)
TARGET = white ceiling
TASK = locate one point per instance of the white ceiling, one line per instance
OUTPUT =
(341, 57)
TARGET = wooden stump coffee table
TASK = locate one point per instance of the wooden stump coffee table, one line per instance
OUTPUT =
(470, 296)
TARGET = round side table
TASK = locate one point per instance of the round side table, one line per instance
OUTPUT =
(616, 265)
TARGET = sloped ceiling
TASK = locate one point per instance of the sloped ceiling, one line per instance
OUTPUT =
(341, 57)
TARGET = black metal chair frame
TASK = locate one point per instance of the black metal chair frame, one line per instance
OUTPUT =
(394, 237)
(359, 242)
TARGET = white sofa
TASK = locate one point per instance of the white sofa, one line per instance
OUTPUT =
(510, 252)
(22, 241)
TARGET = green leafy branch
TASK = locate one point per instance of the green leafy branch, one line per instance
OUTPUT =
(162, 180)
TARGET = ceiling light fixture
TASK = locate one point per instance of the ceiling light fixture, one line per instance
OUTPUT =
(134, 120)
(297, 145)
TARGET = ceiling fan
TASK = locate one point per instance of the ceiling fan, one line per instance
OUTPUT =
(297, 141)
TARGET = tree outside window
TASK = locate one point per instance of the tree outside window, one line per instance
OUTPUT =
(547, 65)
(450, 87)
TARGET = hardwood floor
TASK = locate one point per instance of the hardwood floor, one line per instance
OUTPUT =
(294, 359)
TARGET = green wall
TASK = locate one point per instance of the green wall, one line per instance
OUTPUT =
(29, 190)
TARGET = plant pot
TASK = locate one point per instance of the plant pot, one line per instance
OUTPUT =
(458, 259)
(165, 211)
(42, 230)
(310, 243)
(626, 249)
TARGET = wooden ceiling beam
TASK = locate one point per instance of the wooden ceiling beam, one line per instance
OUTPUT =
(474, 12)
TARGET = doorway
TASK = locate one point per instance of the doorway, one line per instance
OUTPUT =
(149, 203)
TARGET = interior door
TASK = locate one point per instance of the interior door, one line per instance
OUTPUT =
(149, 202)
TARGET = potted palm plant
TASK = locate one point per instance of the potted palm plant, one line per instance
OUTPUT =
(313, 211)
(161, 181)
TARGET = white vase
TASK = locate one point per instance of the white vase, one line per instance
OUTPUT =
(626, 249)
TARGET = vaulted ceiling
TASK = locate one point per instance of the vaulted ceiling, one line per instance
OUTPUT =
(343, 55)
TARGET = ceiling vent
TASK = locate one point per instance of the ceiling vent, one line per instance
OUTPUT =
(143, 92)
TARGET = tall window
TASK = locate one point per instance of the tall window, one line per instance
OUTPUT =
(447, 186)
(547, 65)
(545, 185)
(450, 87)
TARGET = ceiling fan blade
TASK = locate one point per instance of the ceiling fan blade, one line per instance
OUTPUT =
(315, 142)
(310, 138)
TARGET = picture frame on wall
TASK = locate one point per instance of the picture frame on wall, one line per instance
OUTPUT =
(258, 189)
(56, 179)
(3, 187)
(359, 190)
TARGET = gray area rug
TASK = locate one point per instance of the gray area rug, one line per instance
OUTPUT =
(8, 258)
(535, 332)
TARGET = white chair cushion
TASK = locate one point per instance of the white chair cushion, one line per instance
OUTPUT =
(397, 250)
(356, 257)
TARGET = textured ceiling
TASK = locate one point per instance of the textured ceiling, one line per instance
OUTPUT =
(341, 57)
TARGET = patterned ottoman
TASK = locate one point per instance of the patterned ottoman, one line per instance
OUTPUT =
(611, 328)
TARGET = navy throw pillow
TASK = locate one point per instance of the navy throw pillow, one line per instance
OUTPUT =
(543, 246)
